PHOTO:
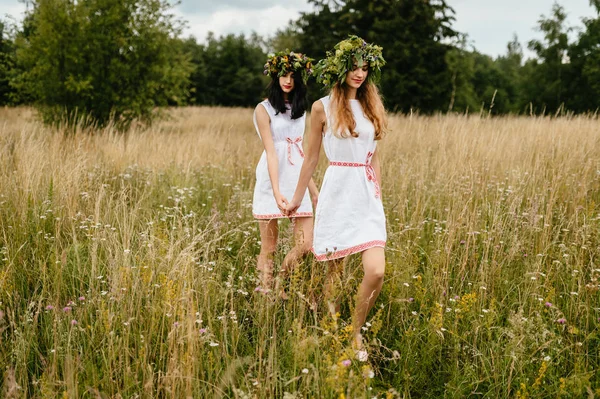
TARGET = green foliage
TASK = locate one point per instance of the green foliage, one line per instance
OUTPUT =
(106, 59)
(283, 62)
(228, 70)
(346, 54)
(547, 73)
(102, 60)
(411, 34)
(584, 90)
(7, 63)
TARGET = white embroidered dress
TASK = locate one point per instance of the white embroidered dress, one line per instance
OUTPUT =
(349, 215)
(287, 136)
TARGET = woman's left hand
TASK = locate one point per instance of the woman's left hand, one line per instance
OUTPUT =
(291, 207)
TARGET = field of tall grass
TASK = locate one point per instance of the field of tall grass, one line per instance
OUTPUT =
(127, 265)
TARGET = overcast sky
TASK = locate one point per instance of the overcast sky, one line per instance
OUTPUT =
(490, 24)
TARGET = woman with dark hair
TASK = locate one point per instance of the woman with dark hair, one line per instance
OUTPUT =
(280, 122)
(350, 218)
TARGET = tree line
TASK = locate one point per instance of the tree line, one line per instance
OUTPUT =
(121, 59)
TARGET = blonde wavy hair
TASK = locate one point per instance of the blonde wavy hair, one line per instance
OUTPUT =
(372, 105)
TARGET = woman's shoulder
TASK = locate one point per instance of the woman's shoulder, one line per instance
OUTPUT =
(320, 105)
(264, 105)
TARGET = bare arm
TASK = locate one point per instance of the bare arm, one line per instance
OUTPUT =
(262, 121)
(314, 192)
(377, 167)
(317, 122)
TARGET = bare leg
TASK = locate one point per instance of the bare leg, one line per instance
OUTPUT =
(332, 285)
(373, 260)
(303, 239)
(269, 232)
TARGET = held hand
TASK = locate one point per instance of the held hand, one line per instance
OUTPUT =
(291, 208)
(282, 202)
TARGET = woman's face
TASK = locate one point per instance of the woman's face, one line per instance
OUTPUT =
(286, 82)
(357, 76)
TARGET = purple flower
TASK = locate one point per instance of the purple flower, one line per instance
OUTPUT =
(49, 307)
(411, 299)
(82, 298)
(176, 324)
(257, 289)
(67, 309)
(73, 322)
(548, 304)
(202, 330)
(562, 320)
(346, 362)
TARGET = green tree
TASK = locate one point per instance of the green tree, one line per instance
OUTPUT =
(546, 75)
(232, 71)
(584, 91)
(461, 66)
(7, 63)
(413, 35)
(104, 59)
(287, 38)
(510, 66)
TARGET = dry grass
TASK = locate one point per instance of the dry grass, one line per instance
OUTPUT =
(127, 264)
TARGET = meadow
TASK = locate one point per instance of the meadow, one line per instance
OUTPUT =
(127, 265)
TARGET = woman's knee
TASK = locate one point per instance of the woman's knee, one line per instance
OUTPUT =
(375, 272)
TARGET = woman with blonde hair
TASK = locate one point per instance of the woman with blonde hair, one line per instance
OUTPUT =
(349, 216)
(280, 121)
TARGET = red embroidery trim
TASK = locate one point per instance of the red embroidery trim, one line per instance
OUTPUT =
(281, 215)
(289, 148)
(369, 170)
(348, 251)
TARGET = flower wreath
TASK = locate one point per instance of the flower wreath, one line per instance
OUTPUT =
(354, 50)
(283, 62)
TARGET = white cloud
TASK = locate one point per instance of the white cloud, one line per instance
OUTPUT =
(12, 9)
(491, 25)
(265, 21)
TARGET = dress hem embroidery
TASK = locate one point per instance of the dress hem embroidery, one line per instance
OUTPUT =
(282, 216)
(348, 251)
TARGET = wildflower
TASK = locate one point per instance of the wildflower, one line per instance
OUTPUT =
(67, 309)
(304, 371)
(548, 304)
(176, 324)
(73, 322)
(214, 344)
(411, 299)
(562, 320)
(346, 362)
(202, 330)
(82, 298)
(49, 307)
